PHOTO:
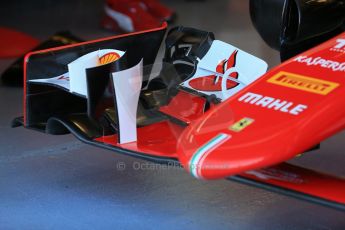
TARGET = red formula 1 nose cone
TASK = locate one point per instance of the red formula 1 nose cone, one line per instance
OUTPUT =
(213, 82)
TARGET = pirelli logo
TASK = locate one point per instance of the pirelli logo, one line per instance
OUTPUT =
(304, 83)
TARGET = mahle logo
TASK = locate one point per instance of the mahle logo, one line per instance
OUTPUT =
(303, 83)
(273, 103)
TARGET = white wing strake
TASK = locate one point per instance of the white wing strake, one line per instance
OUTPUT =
(127, 84)
(62, 81)
(75, 79)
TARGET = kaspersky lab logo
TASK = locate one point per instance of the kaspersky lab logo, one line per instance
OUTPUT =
(340, 46)
(213, 83)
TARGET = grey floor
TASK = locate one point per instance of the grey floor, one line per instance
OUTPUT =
(56, 182)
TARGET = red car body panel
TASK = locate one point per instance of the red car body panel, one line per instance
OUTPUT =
(293, 107)
(304, 181)
(287, 111)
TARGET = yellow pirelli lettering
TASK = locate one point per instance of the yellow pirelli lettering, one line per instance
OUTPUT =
(303, 83)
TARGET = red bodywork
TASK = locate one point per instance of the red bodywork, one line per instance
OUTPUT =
(292, 108)
(287, 111)
(274, 137)
(304, 181)
(14, 43)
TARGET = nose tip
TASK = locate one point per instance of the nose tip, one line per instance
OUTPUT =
(198, 160)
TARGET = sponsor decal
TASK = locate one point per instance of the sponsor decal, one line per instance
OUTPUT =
(340, 46)
(63, 77)
(214, 83)
(223, 71)
(303, 83)
(241, 124)
(323, 63)
(108, 58)
(200, 155)
(276, 174)
(273, 103)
